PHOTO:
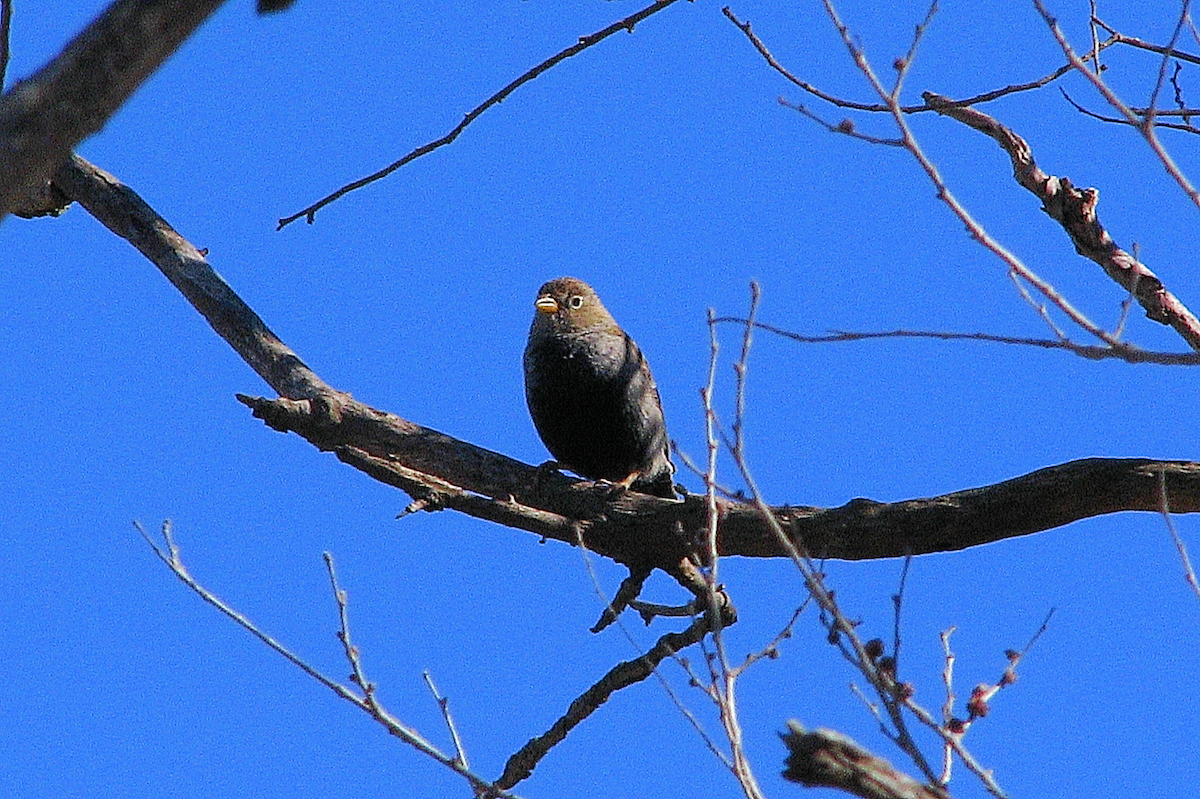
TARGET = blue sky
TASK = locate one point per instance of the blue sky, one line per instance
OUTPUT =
(660, 168)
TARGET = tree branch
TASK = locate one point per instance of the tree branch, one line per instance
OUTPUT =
(638, 530)
(823, 758)
(43, 117)
(622, 675)
(626, 24)
(1075, 210)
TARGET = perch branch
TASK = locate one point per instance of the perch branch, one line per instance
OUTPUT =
(632, 528)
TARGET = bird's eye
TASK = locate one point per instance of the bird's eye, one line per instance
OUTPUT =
(576, 302)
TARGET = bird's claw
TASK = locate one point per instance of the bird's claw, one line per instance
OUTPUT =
(608, 489)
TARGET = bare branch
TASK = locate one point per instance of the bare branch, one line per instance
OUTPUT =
(1142, 113)
(460, 754)
(948, 705)
(846, 127)
(1145, 127)
(944, 194)
(1129, 354)
(840, 102)
(43, 117)
(626, 24)
(842, 631)
(521, 764)
(1168, 53)
(952, 729)
(1189, 573)
(630, 528)
(168, 553)
(1117, 37)
(1075, 210)
(824, 758)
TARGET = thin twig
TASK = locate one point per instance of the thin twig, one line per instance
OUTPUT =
(943, 191)
(953, 729)
(897, 606)
(460, 754)
(844, 128)
(860, 656)
(1120, 38)
(1038, 306)
(1130, 354)
(1139, 113)
(745, 28)
(1167, 55)
(948, 705)
(626, 24)
(905, 64)
(1147, 130)
(169, 555)
(842, 629)
(722, 677)
(370, 702)
(1188, 572)
(728, 705)
(771, 650)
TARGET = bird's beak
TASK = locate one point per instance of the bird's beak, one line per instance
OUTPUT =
(546, 304)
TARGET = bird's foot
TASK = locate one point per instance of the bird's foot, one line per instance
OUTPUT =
(543, 474)
(609, 490)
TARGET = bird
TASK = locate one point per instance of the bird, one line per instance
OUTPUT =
(591, 394)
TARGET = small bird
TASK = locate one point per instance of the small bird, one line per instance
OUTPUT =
(591, 394)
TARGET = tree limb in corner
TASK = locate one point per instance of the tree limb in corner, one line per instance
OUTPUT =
(43, 117)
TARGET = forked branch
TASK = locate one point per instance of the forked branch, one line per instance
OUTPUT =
(1075, 210)
(634, 529)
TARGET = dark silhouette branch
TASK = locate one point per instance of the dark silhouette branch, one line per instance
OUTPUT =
(638, 530)
(827, 759)
(1120, 38)
(43, 117)
(622, 675)
(1143, 114)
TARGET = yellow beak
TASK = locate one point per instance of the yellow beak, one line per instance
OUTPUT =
(546, 304)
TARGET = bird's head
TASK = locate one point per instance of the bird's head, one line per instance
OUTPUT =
(568, 305)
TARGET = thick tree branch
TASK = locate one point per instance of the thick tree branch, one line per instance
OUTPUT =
(827, 759)
(635, 529)
(43, 117)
